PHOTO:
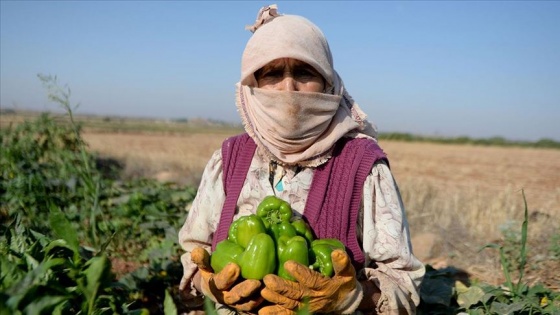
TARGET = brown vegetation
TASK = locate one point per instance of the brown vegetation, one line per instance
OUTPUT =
(460, 198)
(169, 157)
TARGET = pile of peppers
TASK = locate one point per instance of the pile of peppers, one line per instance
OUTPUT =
(261, 243)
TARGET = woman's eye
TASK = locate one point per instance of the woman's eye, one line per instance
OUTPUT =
(306, 74)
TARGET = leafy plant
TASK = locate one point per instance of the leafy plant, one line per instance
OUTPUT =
(440, 294)
(517, 297)
(517, 288)
(44, 276)
(64, 222)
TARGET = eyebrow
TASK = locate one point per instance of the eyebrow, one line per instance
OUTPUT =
(300, 64)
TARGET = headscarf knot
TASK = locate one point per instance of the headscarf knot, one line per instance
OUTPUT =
(265, 15)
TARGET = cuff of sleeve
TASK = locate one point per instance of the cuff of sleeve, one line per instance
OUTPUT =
(352, 300)
(189, 269)
(396, 297)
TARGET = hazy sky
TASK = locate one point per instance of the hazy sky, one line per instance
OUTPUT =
(473, 68)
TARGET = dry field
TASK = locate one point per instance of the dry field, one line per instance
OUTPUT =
(458, 197)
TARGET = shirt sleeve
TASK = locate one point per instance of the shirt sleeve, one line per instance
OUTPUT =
(203, 216)
(392, 267)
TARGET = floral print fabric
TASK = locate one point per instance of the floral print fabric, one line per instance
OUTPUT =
(382, 228)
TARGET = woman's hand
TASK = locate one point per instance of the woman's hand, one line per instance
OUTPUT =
(223, 287)
(317, 293)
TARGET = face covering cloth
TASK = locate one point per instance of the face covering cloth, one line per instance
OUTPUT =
(294, 127)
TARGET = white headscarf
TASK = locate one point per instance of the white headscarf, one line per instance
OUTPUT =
(295, 127)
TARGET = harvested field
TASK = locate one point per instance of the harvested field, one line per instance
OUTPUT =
(449, 169)
(177, 158)
(460, 197)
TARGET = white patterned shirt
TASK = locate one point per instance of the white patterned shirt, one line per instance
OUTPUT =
(382, 225)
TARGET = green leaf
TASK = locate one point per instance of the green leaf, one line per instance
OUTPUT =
(43, 304)
(30, 283)
(142, 311)
(169, 307)
(523, 254)
(30, 261)
(96, 272)
(503, 308)
(471, 296)
(4, 310)
(505, 264)
(41, 238)
(209, 307)
(60, 243)
(10, 274)
(537, 290)
(59, 309)
(487, 297)
(477, 311)
(62, 228)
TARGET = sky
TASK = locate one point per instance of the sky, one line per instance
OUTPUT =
(437, 68)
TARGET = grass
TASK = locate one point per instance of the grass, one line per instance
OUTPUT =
(492, 141)
(463, 221)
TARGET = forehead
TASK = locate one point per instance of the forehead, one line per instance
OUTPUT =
(282, 62)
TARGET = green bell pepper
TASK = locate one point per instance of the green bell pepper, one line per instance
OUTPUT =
(303, 229)
(291, 248)
(274, 210)
(242, 230)
(226, 251)
(259, 258)
(279, 229)
(321, 250)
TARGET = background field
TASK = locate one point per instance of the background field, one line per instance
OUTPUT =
(458, 197)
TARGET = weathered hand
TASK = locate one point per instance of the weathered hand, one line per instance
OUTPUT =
(223, 287)
(311, 289)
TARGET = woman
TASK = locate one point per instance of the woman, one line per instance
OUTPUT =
(306, 142)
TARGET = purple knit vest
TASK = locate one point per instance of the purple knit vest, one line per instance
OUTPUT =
(237, 153)
(335, 194)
